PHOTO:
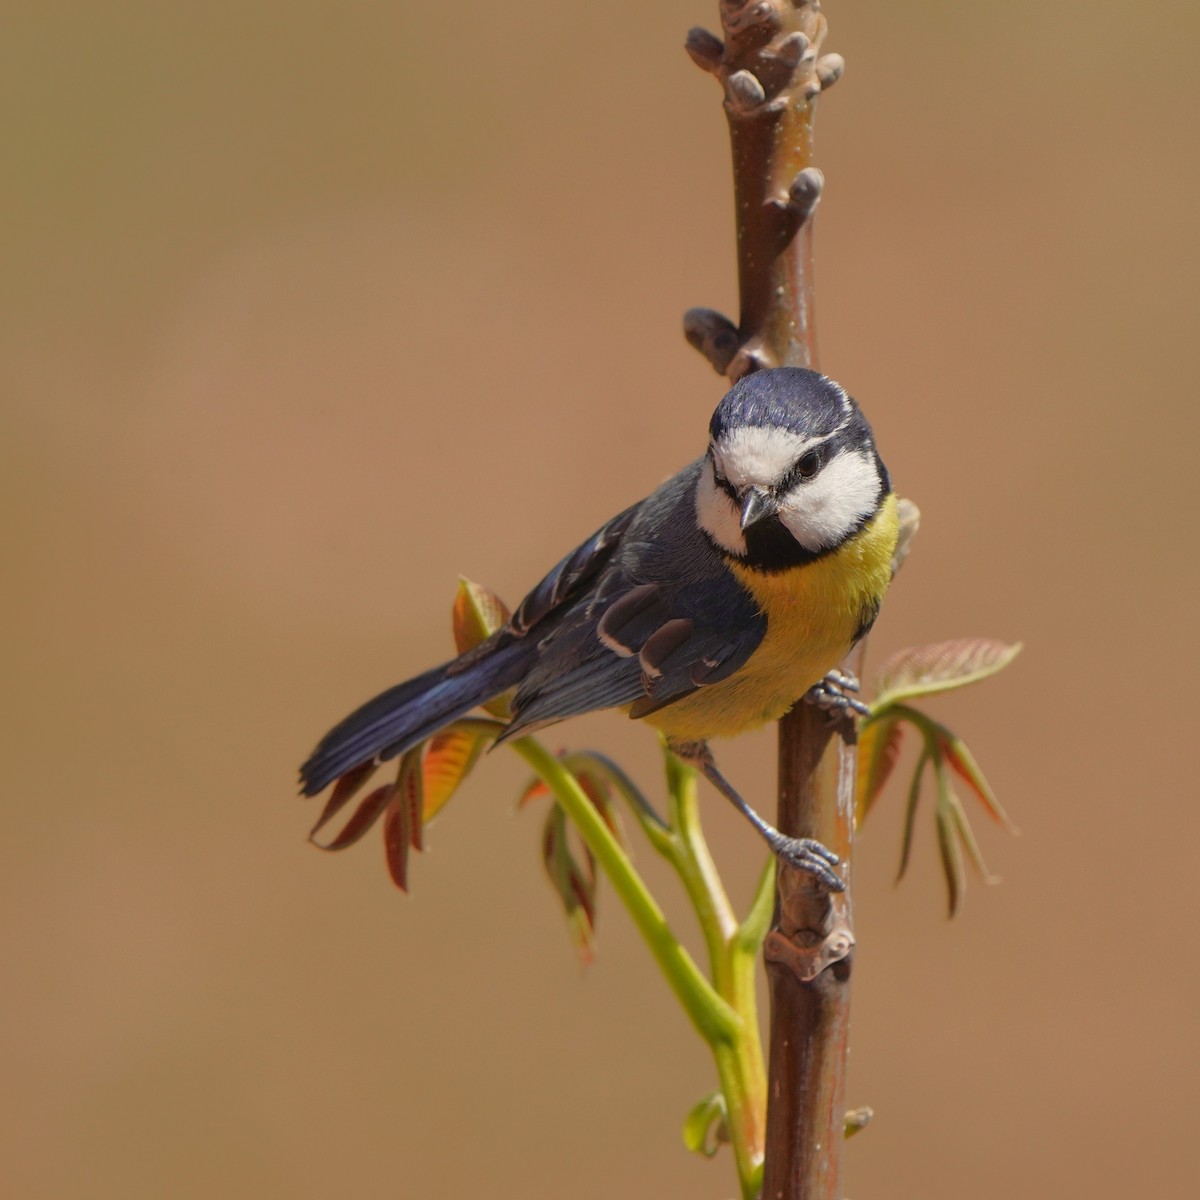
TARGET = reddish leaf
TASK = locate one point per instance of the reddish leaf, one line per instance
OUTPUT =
(534, 789)
(343, 791)
(583, 889)
(574, 885)
(478, 613)
(878, 749)
(614, 779)
(588, 873)
(367, 813)
(963, 763)
(597, 779)
(593, 782)
(966, 837)
(593, 776)
(402, 823)
(416, 816)
(449, 757)
(940, 667)
(397, 838)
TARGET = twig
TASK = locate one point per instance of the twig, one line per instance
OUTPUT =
(772, 72)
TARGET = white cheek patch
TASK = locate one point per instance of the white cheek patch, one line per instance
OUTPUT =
(754, 456)
(823, 511)
(716, 513)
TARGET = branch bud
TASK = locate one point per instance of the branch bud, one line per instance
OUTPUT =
(714, 335)
(910, 522)
(705, 49)
(805, 192)
(751, 13)
(829, 69)
(744, 91)
(792, 49)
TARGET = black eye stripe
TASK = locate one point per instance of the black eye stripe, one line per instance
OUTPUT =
(806, 466)
(720, 479)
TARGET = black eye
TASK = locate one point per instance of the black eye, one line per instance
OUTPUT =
(809, 465)
(720, 479)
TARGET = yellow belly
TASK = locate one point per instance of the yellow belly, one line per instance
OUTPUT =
(812, 615)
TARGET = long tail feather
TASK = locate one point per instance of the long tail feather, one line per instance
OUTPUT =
(408, 713)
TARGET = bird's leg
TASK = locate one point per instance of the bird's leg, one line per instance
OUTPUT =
(830, 694)
(805, 854)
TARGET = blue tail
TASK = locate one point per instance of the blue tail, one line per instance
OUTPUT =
(410, 712)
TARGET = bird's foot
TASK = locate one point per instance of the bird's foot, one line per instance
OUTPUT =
(804, 854)
(831, 695)
(811, 856)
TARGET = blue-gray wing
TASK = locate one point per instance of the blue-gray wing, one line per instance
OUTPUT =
(661, 617)
(565, 585)
(566, 581)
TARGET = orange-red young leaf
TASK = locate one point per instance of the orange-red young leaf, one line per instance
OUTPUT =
(402, 821)
(575, 886)
(410, 784)
(583, 762)
(478, 613)
(940, 667)
(368, 812)
(598, 786)
(588, 873)
(449, 757)
(343, 791)
(963, 763)
(533, 790)
(583, 888)
(397, 840)
(596, 780)
(966, 837)
(416, 817)
(878, 749)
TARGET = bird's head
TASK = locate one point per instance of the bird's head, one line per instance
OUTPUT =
(791, 470)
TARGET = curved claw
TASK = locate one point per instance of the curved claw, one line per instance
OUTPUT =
(811, 856)
(830, 695)
(812, 846)
(846, 680)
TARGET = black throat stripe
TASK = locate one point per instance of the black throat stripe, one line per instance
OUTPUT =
(770, 547)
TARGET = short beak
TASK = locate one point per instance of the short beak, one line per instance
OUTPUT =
(757, 506)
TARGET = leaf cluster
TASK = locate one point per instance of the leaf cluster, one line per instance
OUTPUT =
(908, 676)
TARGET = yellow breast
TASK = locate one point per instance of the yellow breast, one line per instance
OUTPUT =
(813, 613)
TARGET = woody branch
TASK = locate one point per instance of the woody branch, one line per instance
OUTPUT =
(772, 71)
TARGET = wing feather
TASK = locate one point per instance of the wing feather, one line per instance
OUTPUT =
(642, 614)
(568, 579)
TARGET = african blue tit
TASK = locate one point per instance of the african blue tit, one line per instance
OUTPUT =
(706, 609)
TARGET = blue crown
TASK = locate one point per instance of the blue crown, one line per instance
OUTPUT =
(792, 398)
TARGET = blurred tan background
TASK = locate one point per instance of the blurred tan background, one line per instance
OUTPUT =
(308, 308)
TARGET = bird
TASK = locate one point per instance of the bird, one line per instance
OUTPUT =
(706, 609)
